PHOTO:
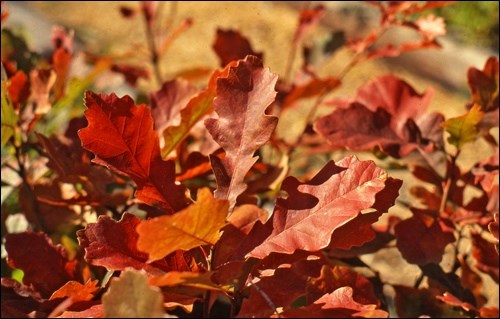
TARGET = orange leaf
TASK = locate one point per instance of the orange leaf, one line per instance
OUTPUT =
(198, 224)
(76, 291)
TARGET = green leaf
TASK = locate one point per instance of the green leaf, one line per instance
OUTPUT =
(9, 116)
(463, 129)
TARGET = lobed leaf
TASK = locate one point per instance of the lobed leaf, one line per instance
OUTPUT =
(122, 137)
(463, 129)
(314, 210)
(130, 296)
(198, 224)
(242, 125)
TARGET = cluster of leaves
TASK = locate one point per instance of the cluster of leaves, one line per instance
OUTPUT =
(176, 207)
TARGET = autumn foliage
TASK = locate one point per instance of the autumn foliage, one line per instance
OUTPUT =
(188, 200)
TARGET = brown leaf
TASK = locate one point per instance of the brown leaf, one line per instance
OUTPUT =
(242, 126)
(130, 296)
(314, 210)
(196, 225)
(230, 46)
(50, 271)
(122, 137)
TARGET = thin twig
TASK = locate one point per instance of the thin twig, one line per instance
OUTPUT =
(153, 50)
(264, 295)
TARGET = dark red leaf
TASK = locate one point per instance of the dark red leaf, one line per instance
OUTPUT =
(422, 238)
(340, 276)
(122, 137)
(44, 264)
(242, 125)
(230, 45)
(391, 112)
(485, 255)
(483, 85)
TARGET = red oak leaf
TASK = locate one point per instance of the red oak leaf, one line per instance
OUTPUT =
(44, 264)
(393, 117)
(113, 245)
(422, 238)
(122, 137)
(339, 276)
(19, 89)
(485, 254)
(76, 291)
(338, 304)
(282, 288)
(242, 127)
(167, 102)
(483, 85)
(230, 45)
(314, 210)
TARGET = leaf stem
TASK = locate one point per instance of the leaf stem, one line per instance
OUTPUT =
(20, 157)
(449, 181)
(154, 51)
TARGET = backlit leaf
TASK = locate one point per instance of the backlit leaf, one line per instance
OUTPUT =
(130, 296)
(9, 116)
(230, 46)
(463, 129)
(242, 125)
(76, 291)
(196, 225)
(122, 137)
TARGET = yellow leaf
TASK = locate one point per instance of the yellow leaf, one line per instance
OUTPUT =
(463, 129)
(197, 224)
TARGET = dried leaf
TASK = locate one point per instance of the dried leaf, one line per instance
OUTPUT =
(314, 210)
(242, 126)
(122, 137)
(485, 254)
(196, 225)
(130, 296)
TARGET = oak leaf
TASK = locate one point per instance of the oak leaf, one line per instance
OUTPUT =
(122, 137)
(130, 296)
(338, 304)
(198, 224)
(463, 129)
(112, 244)
(483, 85)
(393, 117)
(50, 271)
(230, 46)
(314, 210)
(76, 291)
(242, 125)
